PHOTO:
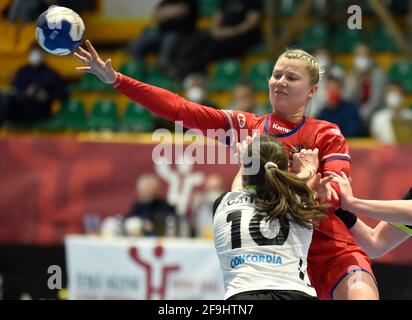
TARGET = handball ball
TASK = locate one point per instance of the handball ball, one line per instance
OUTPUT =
(59, 30)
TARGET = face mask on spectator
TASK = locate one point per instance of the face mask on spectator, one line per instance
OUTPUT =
(333, 96)
(196, 94)
(361, 63)
(393, 99)
(35, 58)
(323, 60)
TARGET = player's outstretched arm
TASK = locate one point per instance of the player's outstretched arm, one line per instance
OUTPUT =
(94, 64)
(394, 211)
(379, 240)
(161, 102)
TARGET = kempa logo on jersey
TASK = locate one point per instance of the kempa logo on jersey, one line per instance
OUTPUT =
(268, 259)
(278, 127)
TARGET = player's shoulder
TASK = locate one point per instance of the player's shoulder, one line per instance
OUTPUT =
(229, 198)
(322, 126)
(243, 119)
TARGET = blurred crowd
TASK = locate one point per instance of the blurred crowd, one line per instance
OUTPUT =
(363, 100)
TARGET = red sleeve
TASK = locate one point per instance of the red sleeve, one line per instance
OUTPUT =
(333, 153)
(170, 106)
(241, 123)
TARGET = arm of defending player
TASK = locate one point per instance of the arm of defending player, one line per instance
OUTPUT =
(394, 211)
(379, 240)
(163, 103)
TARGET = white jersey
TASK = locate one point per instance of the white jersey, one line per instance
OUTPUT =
(255, 254)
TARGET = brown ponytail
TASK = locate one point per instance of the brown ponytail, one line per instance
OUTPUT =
(278, 191)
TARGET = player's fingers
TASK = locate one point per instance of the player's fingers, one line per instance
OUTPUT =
(335, 196)
(328, 192)
(80, 58)
(345, 177)
(84, 69)
(316, 151)
(317, 179)
(91, 49)
(331, 173)
(326, 180)
(108, 64)
(84, 53)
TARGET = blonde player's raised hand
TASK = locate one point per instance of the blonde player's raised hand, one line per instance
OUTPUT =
(94, 64)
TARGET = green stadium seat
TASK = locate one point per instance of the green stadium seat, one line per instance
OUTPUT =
(401, 72)
(226, 75)
(208, 7)
(136, 119)
(156, 78)
(259, 75)
(314, 37)
(72, 115)
(381, 41)
(103, 116)
(257, 49)
(286, 8)
(133, 69)
(346, 39)
(90, 82)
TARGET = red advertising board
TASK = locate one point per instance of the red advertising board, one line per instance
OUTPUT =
(48, 183)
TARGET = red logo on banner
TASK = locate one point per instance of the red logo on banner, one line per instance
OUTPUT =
(166, 270)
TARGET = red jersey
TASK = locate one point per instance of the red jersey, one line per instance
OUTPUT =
(308, 133)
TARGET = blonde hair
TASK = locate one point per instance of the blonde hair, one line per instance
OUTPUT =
(311, 65)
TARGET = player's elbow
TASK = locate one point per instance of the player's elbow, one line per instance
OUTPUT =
(375, 249)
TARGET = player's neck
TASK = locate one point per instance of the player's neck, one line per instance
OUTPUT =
(292, 117)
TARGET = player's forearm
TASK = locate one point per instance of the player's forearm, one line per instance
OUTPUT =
(237, 181)
(170, 106)
(379, 240)
(395, 211)
(159, 101)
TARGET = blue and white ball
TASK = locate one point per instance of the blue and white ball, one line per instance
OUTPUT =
(59, 30)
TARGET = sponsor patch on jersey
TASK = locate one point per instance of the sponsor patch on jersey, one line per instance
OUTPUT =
(255, 258)
(280, 128)
(336, 131)
(241, 119)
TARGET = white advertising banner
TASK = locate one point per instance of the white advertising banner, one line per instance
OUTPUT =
(142, 268)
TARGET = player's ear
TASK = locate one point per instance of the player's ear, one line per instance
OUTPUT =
(312, 91)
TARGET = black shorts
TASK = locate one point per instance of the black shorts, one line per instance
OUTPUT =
(272, 295)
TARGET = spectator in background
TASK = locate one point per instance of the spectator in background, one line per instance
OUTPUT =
(195, 87)
(235, 28)
(174, 19)
(26, 11)
(328, 69)
(244, 99)
(35, 87)
(150, 207)
(365, 84)
(203, 212)
(341, 112)
(382, 121)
